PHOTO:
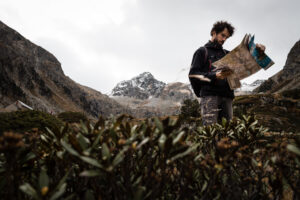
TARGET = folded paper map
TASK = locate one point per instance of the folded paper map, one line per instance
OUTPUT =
(244, 60)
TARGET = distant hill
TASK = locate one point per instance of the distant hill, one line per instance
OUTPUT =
(33, 75)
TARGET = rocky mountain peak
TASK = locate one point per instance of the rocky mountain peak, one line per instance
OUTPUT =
(144, 75)
(142, 86)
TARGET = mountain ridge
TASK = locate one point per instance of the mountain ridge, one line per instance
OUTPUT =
(33, 75)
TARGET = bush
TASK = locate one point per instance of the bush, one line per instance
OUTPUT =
(22, 121)
(153, 159)
(72, 117)
(190, 109)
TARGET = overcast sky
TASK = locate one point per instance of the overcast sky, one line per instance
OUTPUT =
(102, 42)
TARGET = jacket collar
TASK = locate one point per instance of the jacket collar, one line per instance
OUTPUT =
(213, 45)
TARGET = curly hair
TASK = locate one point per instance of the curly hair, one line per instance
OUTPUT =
(219, 26)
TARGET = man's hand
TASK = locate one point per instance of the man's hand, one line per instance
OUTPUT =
(223, 72)
(261, 49)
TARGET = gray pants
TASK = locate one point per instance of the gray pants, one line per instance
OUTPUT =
(214, 108)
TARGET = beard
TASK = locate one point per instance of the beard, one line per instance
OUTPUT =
(217, 43)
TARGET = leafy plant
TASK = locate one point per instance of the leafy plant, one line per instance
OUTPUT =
(122, 158)
(190, 111)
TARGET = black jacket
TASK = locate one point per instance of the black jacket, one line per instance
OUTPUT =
(201, 66)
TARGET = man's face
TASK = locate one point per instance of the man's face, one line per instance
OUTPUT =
(221, 37)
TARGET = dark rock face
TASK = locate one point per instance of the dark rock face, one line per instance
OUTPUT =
(33, 75)
(142, 86)
(292, 65)
(286, 79)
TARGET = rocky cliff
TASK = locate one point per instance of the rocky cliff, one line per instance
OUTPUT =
(33, 75)
(286, 79)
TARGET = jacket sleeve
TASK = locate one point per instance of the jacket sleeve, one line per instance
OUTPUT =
(200, 66)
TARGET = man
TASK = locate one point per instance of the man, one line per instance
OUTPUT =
(209, 84)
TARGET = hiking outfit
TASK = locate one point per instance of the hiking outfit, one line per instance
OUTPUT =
(215, 96)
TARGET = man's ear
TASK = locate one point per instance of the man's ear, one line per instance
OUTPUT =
(213, 35)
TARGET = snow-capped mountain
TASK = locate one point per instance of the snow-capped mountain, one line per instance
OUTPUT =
(142, 86)
(150, 97)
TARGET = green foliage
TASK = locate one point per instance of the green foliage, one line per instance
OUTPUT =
(190, 109)
(72, 117)
(21, 121)
(120, 158)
